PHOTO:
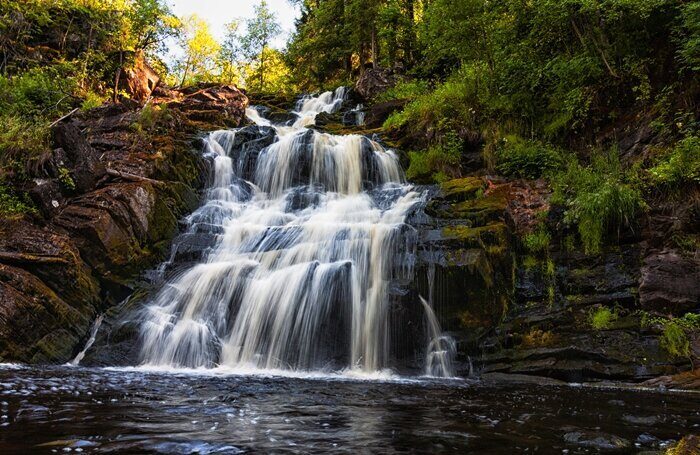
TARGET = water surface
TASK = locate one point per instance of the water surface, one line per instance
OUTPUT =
(131, 411)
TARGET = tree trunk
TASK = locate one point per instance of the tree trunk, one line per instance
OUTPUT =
(375, 47)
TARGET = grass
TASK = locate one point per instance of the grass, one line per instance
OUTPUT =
(675, 332)
(602, 318)
(438, 163)
(405, 90)
(679, 167)
(598, 198)
(537, 241)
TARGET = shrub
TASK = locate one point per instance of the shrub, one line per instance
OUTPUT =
(91, 101)
(675, 335)
(451, 106)
(679, 167)
(38, 93)
(405, 90)
(597, 198)
(439, 163)
(517, 157)
(13, 204)
(602, 318)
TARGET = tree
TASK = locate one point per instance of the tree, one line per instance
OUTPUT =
(260, 30)
(231, 55)
(201, 51)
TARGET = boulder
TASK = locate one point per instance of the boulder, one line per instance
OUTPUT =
(139, 78)
(75, 158)
(374, 81)
(669, 282)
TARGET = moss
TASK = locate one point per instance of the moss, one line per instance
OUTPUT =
(463, 189)
(494, 235)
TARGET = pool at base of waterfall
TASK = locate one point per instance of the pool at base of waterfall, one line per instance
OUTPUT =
(74, 409)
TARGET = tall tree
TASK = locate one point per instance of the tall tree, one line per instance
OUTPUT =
(201, 51)
(260, 31)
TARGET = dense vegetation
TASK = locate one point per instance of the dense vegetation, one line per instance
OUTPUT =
(60, 55)
(550, 88)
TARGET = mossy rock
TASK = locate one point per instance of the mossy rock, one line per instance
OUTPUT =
(464, 189)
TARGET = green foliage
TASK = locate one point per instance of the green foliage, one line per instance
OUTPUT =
(674, 340)
(517, 157)
(679, 167)
(537, 241)
(602, 318)
(65, 178)
(437, 164)
(12, 204)
(151, 117)
(675, 332)
(598, 198)
(21, 137)
(405, 90)
(447, 108)
(91, 101)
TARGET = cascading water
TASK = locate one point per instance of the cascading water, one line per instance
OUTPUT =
(310, 233)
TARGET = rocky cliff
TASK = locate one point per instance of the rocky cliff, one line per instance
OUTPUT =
(108, 197)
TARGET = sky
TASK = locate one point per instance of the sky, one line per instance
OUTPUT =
(219, 12)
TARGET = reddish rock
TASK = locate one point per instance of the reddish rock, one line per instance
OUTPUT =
(140, 79)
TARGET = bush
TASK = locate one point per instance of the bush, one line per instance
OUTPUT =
(680, 167)
(406, 90)
(439, 163)
(451, 106)
(517, 157)
(39, 93)
(597, 198)
(602, 318)
(13, 204)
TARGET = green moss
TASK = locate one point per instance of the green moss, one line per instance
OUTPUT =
(462, 189)
(478, 237)
(65, 178)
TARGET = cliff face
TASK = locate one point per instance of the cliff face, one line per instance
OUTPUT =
(109, 197)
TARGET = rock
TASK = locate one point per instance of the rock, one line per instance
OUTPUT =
(374, 81)
(108, 215)
(221, 106)
(52, 257)
(377, 114)
(139, 78)
(74, 154)
(597, 440)
(689, 445)
(688, 380)
(35, 324)
(669, 282)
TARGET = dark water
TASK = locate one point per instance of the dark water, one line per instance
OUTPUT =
(64, 409)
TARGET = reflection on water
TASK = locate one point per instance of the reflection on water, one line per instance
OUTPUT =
(131, 411)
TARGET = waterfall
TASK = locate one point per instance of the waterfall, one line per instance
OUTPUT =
(310, 233)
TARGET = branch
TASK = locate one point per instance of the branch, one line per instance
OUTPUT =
(133, 177)
(65, 117)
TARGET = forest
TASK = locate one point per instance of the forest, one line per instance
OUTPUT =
(541, 89)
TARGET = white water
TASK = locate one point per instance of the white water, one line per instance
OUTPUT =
(309, 244)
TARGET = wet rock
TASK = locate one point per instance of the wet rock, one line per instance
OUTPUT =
(376, 114)
(596, 440)
(669, 282)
